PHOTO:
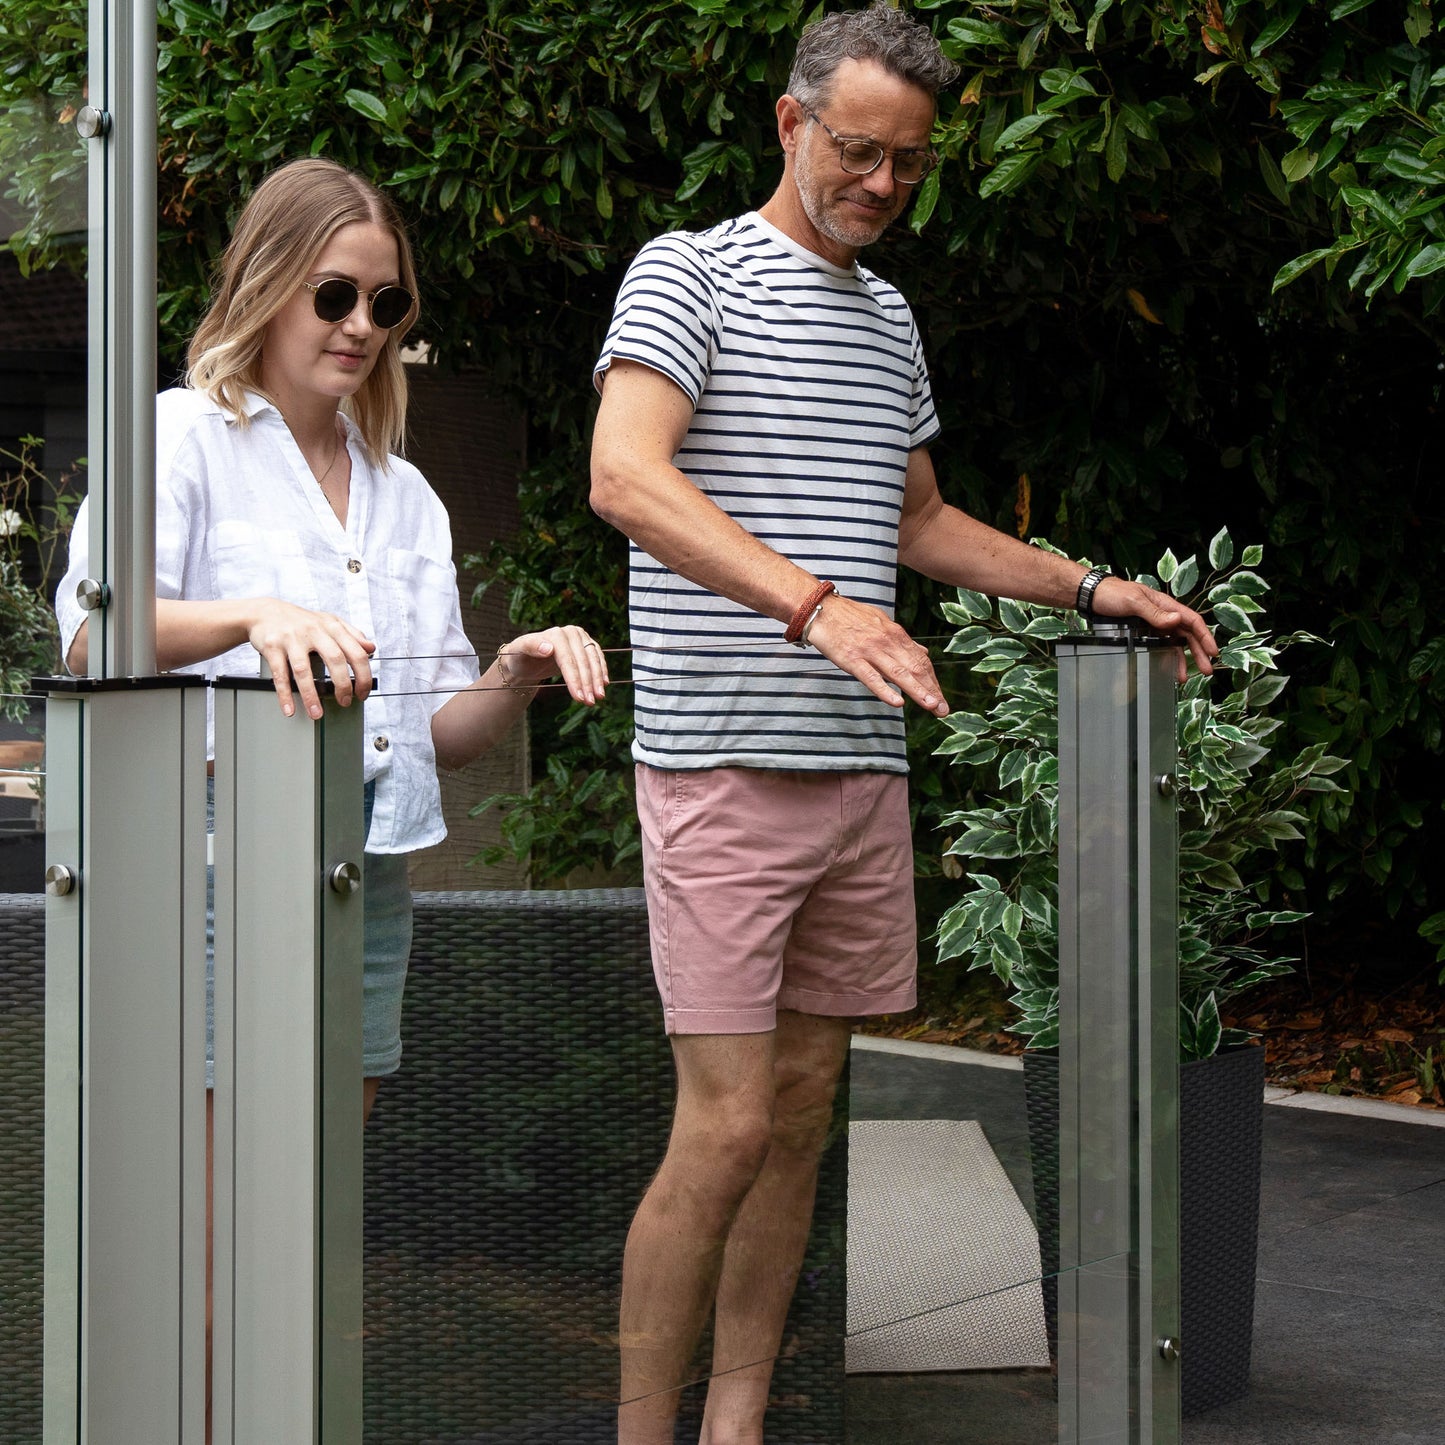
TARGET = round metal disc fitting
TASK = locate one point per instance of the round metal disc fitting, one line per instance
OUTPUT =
(92, 595)
(59, 880)
(90, 122)
(1166, 784)
(1169, 1349)
(344, 878)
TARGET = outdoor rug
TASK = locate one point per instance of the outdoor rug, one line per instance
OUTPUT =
(943, 1259)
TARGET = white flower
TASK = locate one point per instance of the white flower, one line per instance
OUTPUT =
(10, 522)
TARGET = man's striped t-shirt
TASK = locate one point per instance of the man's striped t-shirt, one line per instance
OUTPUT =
(809, 390)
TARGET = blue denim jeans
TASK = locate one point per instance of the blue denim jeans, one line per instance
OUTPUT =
(387, 948)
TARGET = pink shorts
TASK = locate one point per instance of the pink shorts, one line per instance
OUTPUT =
(769, 889)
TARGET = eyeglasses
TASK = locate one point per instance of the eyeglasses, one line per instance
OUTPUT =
(336, 299)
(861, 157)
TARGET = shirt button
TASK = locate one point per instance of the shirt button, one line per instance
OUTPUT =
(354, 565)
(381, 744)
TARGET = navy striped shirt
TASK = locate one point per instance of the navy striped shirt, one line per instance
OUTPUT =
(809, 390)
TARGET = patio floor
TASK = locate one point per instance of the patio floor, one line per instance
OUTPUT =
(1349, 1310)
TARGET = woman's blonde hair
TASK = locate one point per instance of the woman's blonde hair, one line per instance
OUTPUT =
(279, 234)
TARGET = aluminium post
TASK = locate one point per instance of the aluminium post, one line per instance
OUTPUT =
(119, 123)
(1118, 1041)
(125, 1141)
(125, 1125)
(288, 1087)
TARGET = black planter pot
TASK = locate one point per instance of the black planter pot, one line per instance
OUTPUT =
(1220, 1132)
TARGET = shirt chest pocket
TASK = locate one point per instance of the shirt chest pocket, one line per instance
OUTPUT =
(419, 593)
(257, 561)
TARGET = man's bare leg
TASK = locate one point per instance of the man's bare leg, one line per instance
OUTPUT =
(721, 1133)
(770, 1233)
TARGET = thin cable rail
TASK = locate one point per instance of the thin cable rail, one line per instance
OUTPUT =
(822, 668)
(887, 1324)
(735, 645)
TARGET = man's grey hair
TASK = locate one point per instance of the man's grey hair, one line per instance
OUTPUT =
(883, 33)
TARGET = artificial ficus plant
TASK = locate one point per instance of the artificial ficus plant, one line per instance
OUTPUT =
(1238, 801)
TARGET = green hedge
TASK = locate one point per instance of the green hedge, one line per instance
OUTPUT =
(1182, 266)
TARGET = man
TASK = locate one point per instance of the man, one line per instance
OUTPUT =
(762, 440)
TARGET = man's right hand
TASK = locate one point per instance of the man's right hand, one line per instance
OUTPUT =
(866, 642)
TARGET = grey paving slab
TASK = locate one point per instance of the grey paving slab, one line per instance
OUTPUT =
(1321, 1166)
(1330, 1366)
(1000, 1408)
(1350, 1305)
(1393, 1252)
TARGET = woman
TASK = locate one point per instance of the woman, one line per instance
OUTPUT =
(286, 525)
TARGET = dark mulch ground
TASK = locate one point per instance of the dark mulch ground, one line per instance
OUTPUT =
(1336, 1026)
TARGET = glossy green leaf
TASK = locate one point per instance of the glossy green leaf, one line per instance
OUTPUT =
(972, 31)
(926, 202)
(1273, 176)
(1426, 261)
(1022, 129)
(1008, 175)
(265, 19)
(1275, 31)
(366, 104)
(1116, 150)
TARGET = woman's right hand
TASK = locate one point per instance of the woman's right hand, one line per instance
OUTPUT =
(286, 636)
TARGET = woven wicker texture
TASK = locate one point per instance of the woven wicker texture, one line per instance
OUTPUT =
(1221, 1111)
(1221, 1126)
(943, 1259)
(503, 1164)
(22, 1157)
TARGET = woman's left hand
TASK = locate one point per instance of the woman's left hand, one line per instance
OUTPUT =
(535, 656)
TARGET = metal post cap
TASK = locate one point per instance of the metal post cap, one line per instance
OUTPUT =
(1115, 628)
(344, 878)
(90, 122)
(59, 880)
(92, 594)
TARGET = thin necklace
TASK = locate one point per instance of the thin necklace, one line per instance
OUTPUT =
(335, 452)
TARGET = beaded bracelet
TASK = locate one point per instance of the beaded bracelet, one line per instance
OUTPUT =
(803, 618)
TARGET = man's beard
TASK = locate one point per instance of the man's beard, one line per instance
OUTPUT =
(824, 210)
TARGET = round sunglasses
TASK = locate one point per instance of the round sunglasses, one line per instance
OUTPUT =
(336, 299)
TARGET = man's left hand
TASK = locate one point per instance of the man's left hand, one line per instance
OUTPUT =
(1115, 597)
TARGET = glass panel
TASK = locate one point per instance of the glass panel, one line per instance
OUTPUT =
(43, 378)
(22, 792)
(505, 1160)
(1346, 1305)
(953, 1223)
(22, 1062)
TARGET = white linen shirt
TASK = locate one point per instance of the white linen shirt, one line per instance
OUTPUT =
(239, 514)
